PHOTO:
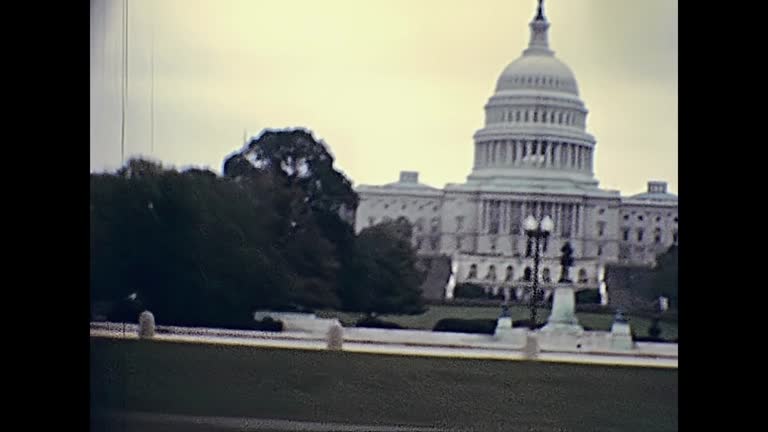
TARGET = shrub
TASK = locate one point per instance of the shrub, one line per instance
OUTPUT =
(456, 325)
(526, 323)
(370, 322)
(469, 291)
(268, 324)
(654, 330)
(591, 296)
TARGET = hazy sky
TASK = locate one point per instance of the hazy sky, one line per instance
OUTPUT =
(389, 85)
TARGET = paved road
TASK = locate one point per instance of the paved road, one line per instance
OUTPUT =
(152, 422)
(396, 349)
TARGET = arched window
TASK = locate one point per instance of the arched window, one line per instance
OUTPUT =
(583, 276)
(657, 236)
(472, 272)
(545, 275)
(527, 274)
(510, 274)
(640, 233)
(419, 224)
(491, 276)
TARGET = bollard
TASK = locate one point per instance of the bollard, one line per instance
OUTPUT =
(531, 348)
(335, 337)
(146, 325)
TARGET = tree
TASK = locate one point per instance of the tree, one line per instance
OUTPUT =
(383, 275)
(200, 249)
(662, 281)
(312, 198)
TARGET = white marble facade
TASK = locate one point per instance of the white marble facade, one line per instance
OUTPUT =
(533, 156)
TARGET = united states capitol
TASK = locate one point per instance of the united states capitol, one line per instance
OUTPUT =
(532, 157)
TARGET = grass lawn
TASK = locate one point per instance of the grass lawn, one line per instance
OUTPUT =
(428, 319)
(341, 387)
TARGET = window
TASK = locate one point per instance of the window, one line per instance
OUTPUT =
(491, 275)
(545, 275)
(674, 236)
(600, 228)
(599, 250)
(529, 248)
(458, 242)
(419, 225)
(386, 206)
(601, 211)
(675, 219)
(640, 235)
(658, 218)
(517, 116)
(626, 217)
(640, 218)
(535, 116)
(527, 274)
(403, 207)
(472, 272)
(435, 208)
(510, 274)
(583, 276)
(657, 236)
(371, 221)
(435, 226)
(493, 243)
(625, 234)
(418, 244)
(459, 223)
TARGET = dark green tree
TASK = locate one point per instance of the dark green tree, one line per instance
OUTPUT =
(384, 273)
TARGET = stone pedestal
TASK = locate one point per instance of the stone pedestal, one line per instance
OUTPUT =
(504, 323)
(531, 348)
(621, 335)
(563, 317)
(146, 325)
(335, 337)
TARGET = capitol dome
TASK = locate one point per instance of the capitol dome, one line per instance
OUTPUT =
(538, 71)
(535, 123)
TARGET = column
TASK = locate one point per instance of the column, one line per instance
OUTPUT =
(573, 220)
(505, 217)
(483, 216)
(518, 152)
(551, 154)
(580, 158)
(528, 150)
(578, 219)
(573, 156)
(556, 150)
(565, 155)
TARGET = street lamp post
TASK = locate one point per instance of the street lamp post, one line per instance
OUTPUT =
(538, 232)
